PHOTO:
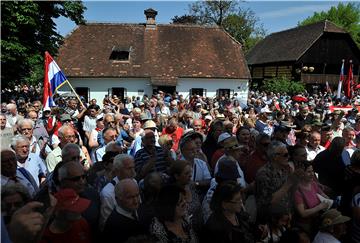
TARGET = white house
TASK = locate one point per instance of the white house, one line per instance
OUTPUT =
(136, 59)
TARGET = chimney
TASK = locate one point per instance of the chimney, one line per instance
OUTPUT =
(150, 18)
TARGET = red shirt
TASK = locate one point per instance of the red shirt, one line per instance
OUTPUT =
(255, 162)
(175, 135)
(78, 233)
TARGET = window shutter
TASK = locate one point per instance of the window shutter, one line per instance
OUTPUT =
(205, 92)
(125, 93)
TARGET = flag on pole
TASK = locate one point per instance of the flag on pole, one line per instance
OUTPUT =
(53, 80)
(348, 85)
(341, 80)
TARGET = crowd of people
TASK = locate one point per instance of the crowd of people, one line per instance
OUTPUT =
(164, 168)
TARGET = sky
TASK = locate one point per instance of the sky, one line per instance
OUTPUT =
(273, 15)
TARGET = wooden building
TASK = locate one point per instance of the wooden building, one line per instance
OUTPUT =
(312, 54)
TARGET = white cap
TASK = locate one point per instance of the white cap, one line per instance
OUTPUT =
(208, 117)
(223, 136)
(265, 110)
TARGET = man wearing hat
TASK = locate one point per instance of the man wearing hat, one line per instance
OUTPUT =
(220, 151)
(262, 125)
(227, 171)
(332, 227)
(68, 225)
(137, 144)
(233, 153)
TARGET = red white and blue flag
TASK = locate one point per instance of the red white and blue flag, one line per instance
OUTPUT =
(341, 80)
(54, 79)
(348, 87)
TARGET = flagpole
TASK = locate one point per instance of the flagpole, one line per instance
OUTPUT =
(71, 87)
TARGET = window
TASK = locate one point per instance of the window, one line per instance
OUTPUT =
(120, 54)
(198, 91)
(119, 92)
(83, 92)
(223, 92)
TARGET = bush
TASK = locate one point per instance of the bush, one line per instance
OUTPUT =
(283, 85)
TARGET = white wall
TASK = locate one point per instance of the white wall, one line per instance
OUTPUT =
(240, 86)
(99, 86)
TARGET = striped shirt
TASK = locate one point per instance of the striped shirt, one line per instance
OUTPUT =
(142, 157)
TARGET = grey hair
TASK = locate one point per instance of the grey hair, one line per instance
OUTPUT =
(63, 171)
(62, 130)
(11, 106)
(21, 122)
(17, 139)
(13, 188)
(272, 148)
(119, 160)
(70, 147)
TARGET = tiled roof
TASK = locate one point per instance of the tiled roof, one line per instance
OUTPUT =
(289, 45)
(163, 54)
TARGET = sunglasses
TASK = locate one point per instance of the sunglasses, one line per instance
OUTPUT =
(76, 178)
(26, 129)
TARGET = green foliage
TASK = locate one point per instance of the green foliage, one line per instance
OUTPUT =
(282, 85)
(185, 19)
(28, 30)
(240, 23)
(243, 27)
(346, 16)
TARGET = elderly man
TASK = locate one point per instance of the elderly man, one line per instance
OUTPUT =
(232, 152)
(314, 148)
(39, 131)
(13, 115)
(26, 128)
(123, 168)
(30, 161)
(109, 135)
(124, 216)
(66, 135)
(200, 173)
(11, 174)
(6, 133)
(151, 157)
(274, 181)
(71, 175)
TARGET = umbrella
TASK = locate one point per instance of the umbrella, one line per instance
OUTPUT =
(299, 98)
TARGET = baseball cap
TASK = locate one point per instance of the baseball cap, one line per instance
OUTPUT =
(223, 136)
(69, 200)
(208, 117)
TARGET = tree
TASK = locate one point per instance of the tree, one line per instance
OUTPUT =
(28, 30)
(185, 19)
(240, 23)
(346, 16)
(283, 85)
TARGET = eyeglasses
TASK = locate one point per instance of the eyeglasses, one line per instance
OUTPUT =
(70, 136)
(26, 129)
(285, 155)
(76, 178)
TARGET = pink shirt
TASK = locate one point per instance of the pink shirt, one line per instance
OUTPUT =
(308, 197)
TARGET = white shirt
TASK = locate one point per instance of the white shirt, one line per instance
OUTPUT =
(323, 237)
(312, 152)
(89, 123)
(108, 202)
(35, 165)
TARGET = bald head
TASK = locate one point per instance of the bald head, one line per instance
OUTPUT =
(127, 194)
